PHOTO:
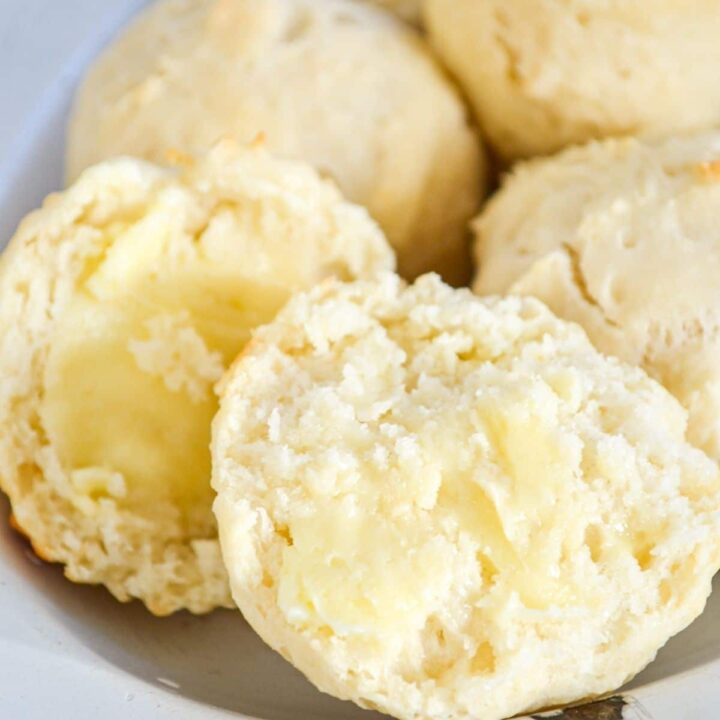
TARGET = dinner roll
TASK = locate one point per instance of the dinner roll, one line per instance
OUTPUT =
(121, 303)
(543, 74)
(338, 83)
(623, 238)
(441, 506)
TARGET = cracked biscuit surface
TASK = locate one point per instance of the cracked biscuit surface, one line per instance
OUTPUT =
(336, 83)
(622, 237)
(545, 74)
(442, 506)
(122, 301)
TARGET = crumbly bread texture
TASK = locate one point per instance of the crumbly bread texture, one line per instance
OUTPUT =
(623, 238)
(544, 74)
(442, 506)
(122, 300)
(338, 83)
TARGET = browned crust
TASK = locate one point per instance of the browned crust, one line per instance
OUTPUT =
(708, 171)
(43, 553)
(250, 346)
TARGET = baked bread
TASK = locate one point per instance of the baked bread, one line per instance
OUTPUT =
(441, 506)
(622, 237)
(121, 302)
(337, 83)
(544, 74)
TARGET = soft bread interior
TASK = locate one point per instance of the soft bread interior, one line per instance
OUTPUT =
(129, 379)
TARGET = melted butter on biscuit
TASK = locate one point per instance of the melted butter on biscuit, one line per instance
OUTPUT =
(130, 372)
(369, 562)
